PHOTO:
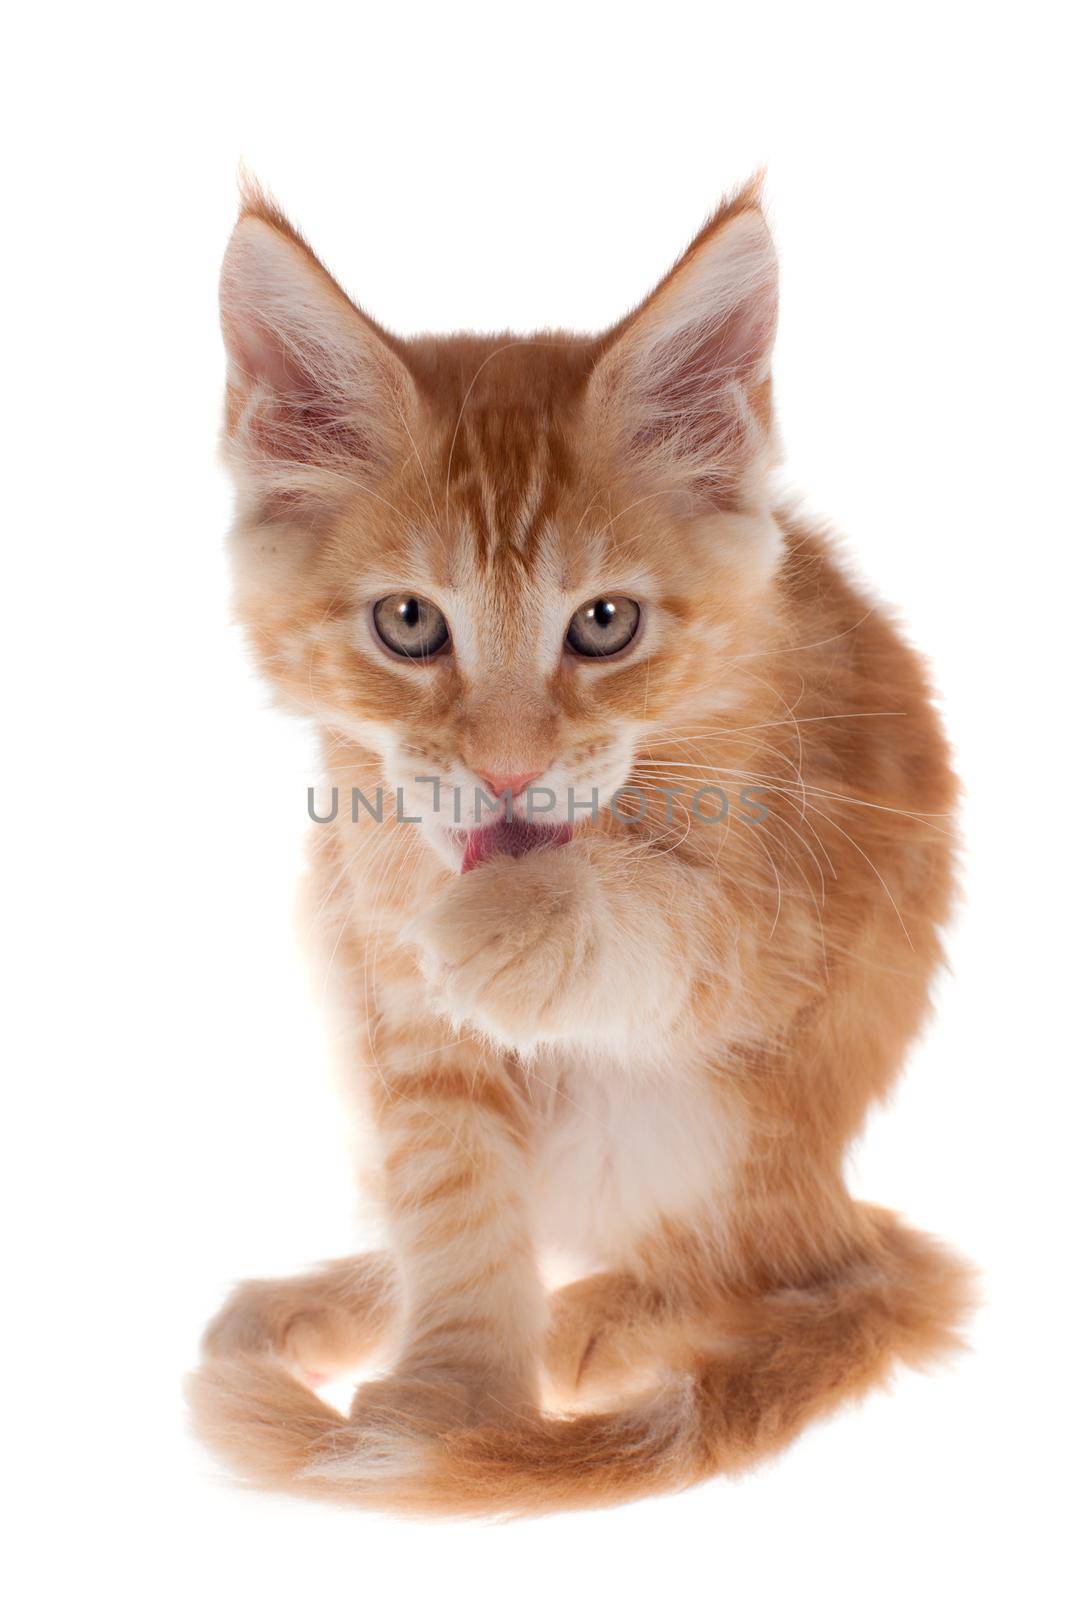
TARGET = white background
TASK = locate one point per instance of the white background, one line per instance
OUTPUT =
(171, 1123)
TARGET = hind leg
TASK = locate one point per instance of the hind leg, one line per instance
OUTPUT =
(592, 1322)
(319, 1324)
(611, 1332)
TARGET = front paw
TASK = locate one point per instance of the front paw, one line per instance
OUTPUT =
(512, 947)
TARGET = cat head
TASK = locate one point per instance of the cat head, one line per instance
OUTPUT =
(494, 560)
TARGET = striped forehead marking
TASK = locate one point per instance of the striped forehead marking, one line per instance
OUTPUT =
(508, 470)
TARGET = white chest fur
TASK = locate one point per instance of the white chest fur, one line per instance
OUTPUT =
(618, 1154)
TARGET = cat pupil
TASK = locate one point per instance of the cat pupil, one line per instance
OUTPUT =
(604, 612)
(409, 612)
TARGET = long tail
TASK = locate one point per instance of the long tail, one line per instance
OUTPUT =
(772, 1366)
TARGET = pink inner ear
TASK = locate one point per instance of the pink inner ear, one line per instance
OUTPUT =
(258, 353)
(306, 428)
(688, 384)
(295, 413)
(690, 371)
(699, 394)
(311, 382)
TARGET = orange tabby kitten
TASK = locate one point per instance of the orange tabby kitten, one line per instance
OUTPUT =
(636, 1015)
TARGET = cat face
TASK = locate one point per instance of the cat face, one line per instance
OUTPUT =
(499, 563)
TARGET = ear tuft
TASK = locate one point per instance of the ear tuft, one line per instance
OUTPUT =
(683, 390)
(316, 395)
(257, 201)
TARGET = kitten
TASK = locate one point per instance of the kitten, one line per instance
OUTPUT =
(637, 1015)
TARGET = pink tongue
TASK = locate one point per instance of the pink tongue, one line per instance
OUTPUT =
(515, 838)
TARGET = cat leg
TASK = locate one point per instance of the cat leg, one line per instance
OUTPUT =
(604, 1332)
(452, 1127)
(613, 1333)
(320, 1324)
(767, 1349)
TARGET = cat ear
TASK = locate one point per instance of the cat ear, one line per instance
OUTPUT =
(315, 395)
(682, 392)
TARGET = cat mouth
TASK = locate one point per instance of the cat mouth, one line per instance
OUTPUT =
(514, 837)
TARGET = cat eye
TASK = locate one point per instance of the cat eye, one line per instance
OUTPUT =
(410, 626)
(603, 627)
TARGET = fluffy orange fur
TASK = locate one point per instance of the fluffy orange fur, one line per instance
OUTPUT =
(648, 1047)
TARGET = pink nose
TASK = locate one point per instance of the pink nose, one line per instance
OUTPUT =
(499, 783)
